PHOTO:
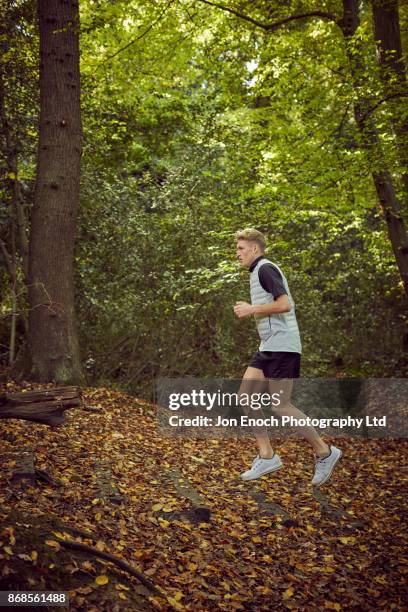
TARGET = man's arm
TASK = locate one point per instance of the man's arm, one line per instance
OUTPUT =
(281, 304)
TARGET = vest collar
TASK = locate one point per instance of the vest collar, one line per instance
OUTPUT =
(255, 263)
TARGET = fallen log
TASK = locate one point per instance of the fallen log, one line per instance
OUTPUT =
(107, 487)
(24, 471)
(199, 511)
(47, 406)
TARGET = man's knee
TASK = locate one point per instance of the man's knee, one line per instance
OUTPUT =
(281, 394)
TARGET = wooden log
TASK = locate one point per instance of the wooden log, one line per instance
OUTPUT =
(46, 406)
(107, 487)
(29, 397)
(24, 471)
(199, 512)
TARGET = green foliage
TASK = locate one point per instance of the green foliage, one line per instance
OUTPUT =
(18, 134)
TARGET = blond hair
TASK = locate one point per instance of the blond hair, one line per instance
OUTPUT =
(252, 235)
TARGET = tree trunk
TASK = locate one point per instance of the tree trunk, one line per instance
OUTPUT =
(381, 175)
(393, 76)
(52, 341)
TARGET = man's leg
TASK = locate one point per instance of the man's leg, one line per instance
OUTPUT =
(254, 381)
(326, 457)
(320, 447)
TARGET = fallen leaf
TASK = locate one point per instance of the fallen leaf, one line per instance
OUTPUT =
(288, 593)
(331, 605)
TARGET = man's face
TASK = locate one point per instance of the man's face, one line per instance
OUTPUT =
(247, 252)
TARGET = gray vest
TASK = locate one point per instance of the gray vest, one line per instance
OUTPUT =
(278, 332)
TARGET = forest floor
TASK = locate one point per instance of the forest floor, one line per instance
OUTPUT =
(196, 536)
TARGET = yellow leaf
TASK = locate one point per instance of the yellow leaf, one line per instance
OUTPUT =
(34, 555)
(122, 596)
(174, 603)
(53, 544)
(8, 550)
(167, 509)
(348, 540)
(331, 605)
(288, 593)
(198, 459)
(192, 567)
(179, 595)
(156, 601)
(326, 570)
(163, 523)
(103, 579)
(257, 540)
(157, 507)
(100, 545)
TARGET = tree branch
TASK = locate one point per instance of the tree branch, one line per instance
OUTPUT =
(113, 559)
(269, 27)
(7, 259)
(135, 40)
(390, 97)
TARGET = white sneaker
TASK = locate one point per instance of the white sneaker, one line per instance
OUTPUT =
(262, 466)
(324, 467)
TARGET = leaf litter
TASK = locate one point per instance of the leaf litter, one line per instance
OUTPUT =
(269, 544)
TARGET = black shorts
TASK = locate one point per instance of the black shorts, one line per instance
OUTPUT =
(277, 364)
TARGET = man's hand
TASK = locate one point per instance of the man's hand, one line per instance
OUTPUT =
(243, 309)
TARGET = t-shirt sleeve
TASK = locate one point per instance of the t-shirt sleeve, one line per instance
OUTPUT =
(271, 280)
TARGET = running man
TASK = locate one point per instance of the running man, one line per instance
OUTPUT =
(278, 356)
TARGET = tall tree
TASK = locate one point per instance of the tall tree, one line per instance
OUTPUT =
(52, 339)
(363, 107)
(383, 181)
(387, 33)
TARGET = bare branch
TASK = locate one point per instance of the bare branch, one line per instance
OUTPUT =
(113, 559)
(269, 27)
